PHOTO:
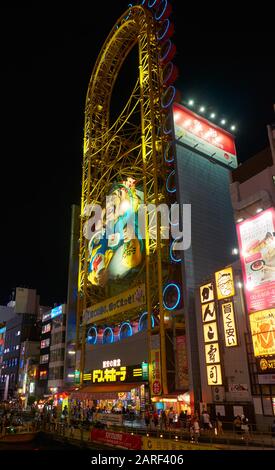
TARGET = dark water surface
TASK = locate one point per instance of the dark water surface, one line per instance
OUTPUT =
(40, 443)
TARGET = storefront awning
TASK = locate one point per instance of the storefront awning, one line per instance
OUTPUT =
(101, 392)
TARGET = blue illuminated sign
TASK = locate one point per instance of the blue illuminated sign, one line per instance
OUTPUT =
(56, 311)
(177, 301)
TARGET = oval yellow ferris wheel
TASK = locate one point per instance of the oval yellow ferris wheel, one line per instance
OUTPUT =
(132, 162)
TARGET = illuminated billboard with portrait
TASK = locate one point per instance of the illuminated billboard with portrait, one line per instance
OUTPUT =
(116, 248)
(257, 249)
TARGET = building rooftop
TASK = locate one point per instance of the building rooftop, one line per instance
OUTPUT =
(253, 166)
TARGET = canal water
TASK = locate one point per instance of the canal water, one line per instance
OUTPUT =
(40, 443)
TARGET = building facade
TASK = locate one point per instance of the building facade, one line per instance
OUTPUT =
(253, 199)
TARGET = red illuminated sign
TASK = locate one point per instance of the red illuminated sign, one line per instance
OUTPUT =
(197, 132)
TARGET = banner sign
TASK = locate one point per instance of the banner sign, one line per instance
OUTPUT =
(197, 132)
(230, 333)
(182, 364)
(266, 365)
(155, 372)
(117, 439)
(125, 374)
(123, 302)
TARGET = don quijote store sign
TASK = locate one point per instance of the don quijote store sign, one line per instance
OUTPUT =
(204, 136)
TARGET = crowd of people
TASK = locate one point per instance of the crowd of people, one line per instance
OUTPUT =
(51, 418)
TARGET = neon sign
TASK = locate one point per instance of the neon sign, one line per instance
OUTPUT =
(196, 132)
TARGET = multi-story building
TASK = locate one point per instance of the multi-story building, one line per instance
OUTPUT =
(45, 340)
(57, 349)
(52, 350)
(28, 370)
(69, 365)
(223, 336)
(253, 198)
(21, 327)
(198, 173)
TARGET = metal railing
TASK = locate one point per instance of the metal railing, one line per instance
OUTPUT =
(228, 439)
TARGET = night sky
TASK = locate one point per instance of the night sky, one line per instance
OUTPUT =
(226, 63)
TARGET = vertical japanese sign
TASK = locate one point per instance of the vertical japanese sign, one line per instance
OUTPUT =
(182, 365)
(155, 366)
(210, 334)
(230, 333)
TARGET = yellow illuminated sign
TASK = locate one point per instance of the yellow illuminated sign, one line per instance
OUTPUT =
(207, 292)
(225, 283)
(212, 353)
(132, 298)
(109, 375)
(208, 312)
(262, 326)
(210, 332)
(214, 374)
(230, 333)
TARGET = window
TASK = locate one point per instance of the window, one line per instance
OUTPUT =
(44, 359)
(43, 374)
(56, 373)
(46, 328)
(57, 355)
(45, 343)
(267, 407)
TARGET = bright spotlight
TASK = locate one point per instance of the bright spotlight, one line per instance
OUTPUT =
(190, 102)
(202, 109)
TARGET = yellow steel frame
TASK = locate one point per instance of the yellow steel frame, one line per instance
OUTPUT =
(126, 148)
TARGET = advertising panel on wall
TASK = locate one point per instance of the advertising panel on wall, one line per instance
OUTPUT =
(132, 298)
(262, 326)
(116, 248)
(257, 252)
(230, 332)
(155, 366)
(225, 283)
(210, 335)
(197, 132)
(182, 364)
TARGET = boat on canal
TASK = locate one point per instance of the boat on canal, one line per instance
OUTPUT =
(16, 435)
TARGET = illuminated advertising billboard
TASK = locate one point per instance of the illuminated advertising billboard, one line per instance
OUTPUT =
(225, 283)
(116, 248)
(257, 252)
(262, 326)
(2, 342)
(197, 132)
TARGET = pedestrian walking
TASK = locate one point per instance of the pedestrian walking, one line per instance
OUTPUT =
(219, 425)
(171, 418)
(195, 430)
(163, 420)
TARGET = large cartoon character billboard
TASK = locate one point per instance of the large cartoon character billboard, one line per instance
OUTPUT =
(116, 248)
